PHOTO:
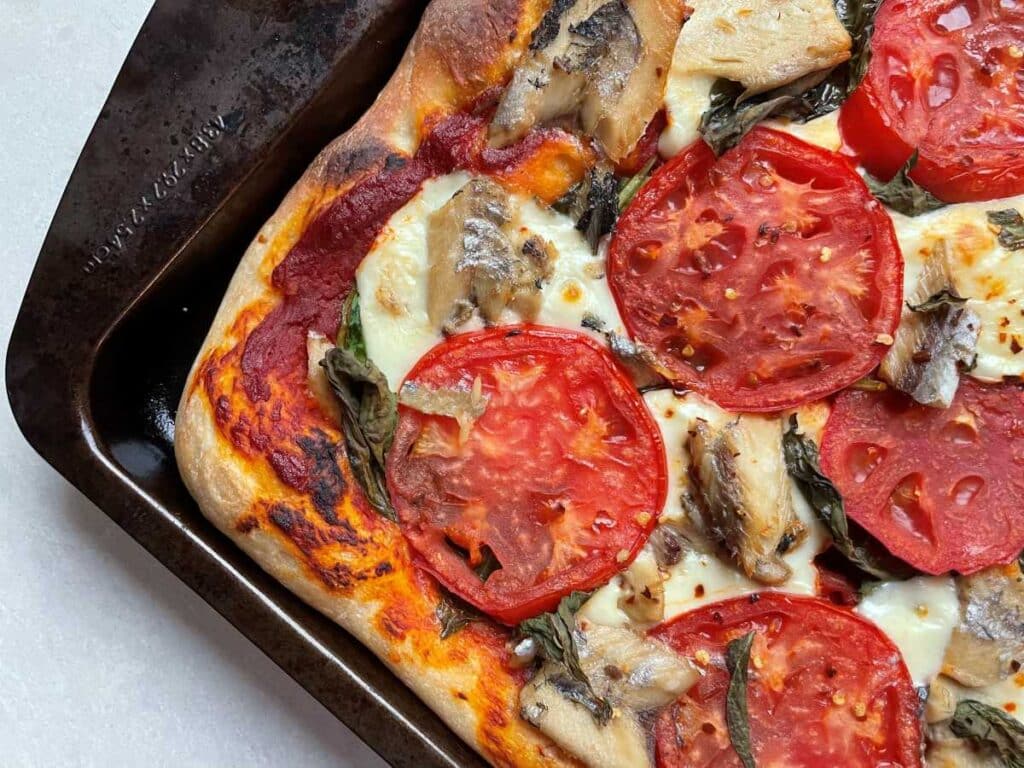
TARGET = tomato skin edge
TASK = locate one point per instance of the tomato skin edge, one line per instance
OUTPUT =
(737, 611)
(596, 571)
(698, 156)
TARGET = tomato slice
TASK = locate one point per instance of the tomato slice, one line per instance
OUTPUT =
(557, 483)
(947, 78)
(942, 489)
(762, 279)
(825, 688)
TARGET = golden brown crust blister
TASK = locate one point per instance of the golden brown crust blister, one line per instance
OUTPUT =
(350, 565)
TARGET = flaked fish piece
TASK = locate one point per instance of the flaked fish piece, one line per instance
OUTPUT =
(634, 674)
(742, 493)
(597, 63)
(464, 404)
(936, 337)
(990, 636)
(475, 263)
(761, 44)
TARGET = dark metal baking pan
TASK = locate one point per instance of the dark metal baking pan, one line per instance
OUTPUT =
(216, 112)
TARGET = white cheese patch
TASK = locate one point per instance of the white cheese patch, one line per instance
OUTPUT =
(687, 97)
(704, 576)
(821, 131)
(393, 285)
(919, 616)
(991, 276)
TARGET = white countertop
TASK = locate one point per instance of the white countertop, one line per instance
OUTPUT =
(106, 659)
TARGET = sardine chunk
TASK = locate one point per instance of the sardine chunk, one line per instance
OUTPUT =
(634, 674)
(762, 44)
(600, 63)
(936, 337)
(475, 263)
(743, 493)
(990, 635)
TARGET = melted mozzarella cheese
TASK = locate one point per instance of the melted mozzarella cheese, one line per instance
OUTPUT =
(703, 576)
(822, 131)
(919, 616)
(982, 270)
(687, 97)
(393, 284)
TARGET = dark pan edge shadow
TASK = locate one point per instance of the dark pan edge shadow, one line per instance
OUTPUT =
(117, 448)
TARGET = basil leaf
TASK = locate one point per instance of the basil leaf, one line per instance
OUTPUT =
(633, 185)
(990, 727)
(1011, 228)
(858, 16)
(728, 119)
(902, 193)
(350, 332)
(554, 634)
(737, 660)
(945, 297)
(454, 614)
(369, 408)
(852, 541)
(730, 116)
(601, 207)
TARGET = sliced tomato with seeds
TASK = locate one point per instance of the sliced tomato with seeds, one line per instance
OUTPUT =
(942, 489)
(555, 487)
(946, 78)
(825, 688)
(763, 279)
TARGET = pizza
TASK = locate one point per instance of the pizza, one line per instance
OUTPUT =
(641, 381)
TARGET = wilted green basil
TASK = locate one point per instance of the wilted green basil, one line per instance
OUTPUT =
(369, 408)
(737, 719)
(1011, 228)
(902, 193)
(991, 728)
(554, 635)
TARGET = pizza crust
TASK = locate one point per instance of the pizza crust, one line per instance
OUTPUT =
(462, 48)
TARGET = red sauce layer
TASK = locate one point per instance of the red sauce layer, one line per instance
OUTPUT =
(318, 272)
(259, 388)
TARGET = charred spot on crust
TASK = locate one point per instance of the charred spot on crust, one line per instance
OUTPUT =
(335, 576)
(357, 159)
(247, 524)
(383, 569)
(326, 484)
(306, 536)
